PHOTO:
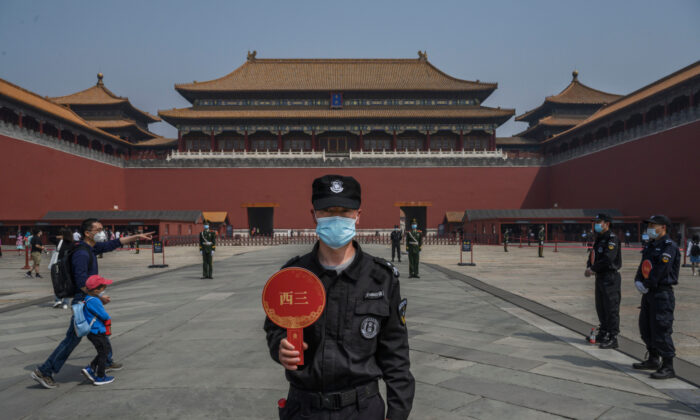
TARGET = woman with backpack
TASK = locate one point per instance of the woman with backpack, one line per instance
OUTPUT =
(694, 253)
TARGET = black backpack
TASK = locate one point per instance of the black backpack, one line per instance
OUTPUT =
(62, 272)
(695, 250)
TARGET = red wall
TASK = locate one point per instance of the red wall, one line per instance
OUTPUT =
(448, 189)
(657, 174)
(35, 179)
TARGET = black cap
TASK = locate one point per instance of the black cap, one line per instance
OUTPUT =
(659, 219)
(336, 191)
(602, 217)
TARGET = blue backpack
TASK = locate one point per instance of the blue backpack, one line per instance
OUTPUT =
(80, 324)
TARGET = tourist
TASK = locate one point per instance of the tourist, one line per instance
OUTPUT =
(100, 329)
(37, 248)
(693, 252)
(84, 265)
(347, 352)
(65, 242)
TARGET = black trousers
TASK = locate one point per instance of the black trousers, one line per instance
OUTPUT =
(656, 321)
(371, 408)
(396, 249)
(101, 343)
(607, 301)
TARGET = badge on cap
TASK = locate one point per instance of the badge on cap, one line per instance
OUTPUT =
(337, 186)
(611, 246)
(369, 327)
(402, 311)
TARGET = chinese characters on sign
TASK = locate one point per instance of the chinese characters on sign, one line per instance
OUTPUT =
(293, 298)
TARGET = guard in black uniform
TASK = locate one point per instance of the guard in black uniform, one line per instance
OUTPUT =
(361, 335)
(396, 237)
(606, 261)
(658, 300)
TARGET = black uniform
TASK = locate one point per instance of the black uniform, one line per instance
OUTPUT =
(360, 337)
(396, 237)
(606, 261)
(658, 304)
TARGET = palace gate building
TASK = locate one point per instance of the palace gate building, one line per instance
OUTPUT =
(422, 143)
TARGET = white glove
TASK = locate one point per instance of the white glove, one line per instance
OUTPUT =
(200, 252)
(212, 253)
(640, 286)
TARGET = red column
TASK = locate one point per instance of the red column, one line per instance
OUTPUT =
(247, 144)
(361, 145)
(644, 117)
(492, 142)
(460, 146)
(180, 142)
(279, 140)
(666, 110)
(41, 127)
(313, 140)
(103, 147)
(393, 141)
(427, 140)
(212, 140)
(19, 119)
(75, 138)
(59, 133)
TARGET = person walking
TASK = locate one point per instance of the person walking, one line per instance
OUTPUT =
(83, 264)
(37, 248)
(65, 242)
(606, 261)
(540, 242)
(694, 253)
(657, 274)
(361, 336)
(414, 244)
(207, 247)
(100, 329)
(506, 240)
(396, 238)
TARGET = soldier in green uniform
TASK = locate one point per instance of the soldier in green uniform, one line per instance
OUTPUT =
(540, 246)
(506, 239)
(207, 246)
(414, 242)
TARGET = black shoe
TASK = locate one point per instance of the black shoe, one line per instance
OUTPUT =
(600, 337)
(610, 342)
(665, 371)
(29, 274)
(417, 276)
(38, 275)
(652, 363)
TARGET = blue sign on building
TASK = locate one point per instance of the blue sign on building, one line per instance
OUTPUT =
(336, 100)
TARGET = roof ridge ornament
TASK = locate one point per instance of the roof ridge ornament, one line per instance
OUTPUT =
(99, 79)
(252, 55)
(575, 76)
(423, 55)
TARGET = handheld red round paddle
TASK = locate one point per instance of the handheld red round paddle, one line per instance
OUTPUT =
(646, 268)
(294, 298)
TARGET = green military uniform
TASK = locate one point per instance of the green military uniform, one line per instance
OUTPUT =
(506, 239)
(540, 246)
(414, 242)
(207, 246)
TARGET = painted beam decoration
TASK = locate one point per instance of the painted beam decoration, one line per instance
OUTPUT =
(354, 129)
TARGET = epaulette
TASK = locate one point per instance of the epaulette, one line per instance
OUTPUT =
(291, 262)
(387, 266)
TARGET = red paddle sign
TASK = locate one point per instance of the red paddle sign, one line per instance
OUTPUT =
(646, 268)
(294, 298)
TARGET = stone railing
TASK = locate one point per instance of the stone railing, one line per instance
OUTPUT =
(323, 155)
(685, 116)
(31, 136)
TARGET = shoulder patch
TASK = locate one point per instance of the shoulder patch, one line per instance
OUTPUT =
(402, 311)
(387, 266)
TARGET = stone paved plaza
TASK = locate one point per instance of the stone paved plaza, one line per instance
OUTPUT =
(195, 348)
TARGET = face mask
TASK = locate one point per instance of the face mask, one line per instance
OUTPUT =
(652, 233)
(335, 231)
(206, 227)
(100, 237)
(598, 227)
(414, 226)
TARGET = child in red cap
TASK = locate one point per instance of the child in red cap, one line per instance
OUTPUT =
(101, 327)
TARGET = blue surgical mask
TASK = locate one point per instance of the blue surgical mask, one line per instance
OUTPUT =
(598, 227)
(652, 233)
(335, 231)
(414, 226)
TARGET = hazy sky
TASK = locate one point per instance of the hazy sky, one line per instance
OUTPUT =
(530, 47)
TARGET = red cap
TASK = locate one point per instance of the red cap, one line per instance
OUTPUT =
(95, 281)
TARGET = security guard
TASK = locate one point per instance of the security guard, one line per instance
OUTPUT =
(414, 244)
(656, 276)
(607, 259)
(207, 246)
(506, 239)
(361, 335)
(540, 244)
(396, 237)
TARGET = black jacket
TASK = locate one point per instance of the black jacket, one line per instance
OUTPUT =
(340, 354)
(607, 253)
(665, 261)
